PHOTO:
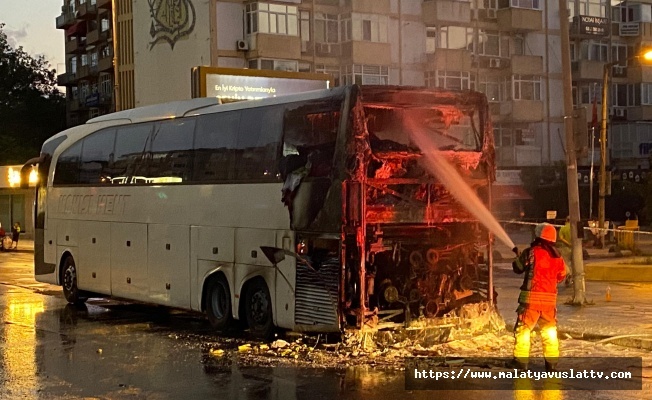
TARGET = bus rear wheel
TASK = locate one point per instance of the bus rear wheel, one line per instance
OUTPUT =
(259, 310)
(69, 282)
(218, 304)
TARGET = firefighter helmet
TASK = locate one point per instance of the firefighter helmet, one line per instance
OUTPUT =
(548, 232)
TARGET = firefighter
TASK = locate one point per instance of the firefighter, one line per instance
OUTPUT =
(544, 268)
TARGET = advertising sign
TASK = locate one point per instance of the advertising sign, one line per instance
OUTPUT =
(249, 84)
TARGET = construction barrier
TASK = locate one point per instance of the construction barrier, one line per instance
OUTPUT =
(625, 236)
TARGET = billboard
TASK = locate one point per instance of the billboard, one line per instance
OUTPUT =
(233, 84)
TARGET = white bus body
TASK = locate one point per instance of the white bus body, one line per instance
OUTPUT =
(167, 234)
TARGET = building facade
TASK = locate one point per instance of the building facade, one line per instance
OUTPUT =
(508, 49)
(16, 204)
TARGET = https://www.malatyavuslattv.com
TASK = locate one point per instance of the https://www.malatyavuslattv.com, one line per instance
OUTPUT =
(619, 373)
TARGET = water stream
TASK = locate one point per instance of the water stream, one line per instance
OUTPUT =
(439, 167)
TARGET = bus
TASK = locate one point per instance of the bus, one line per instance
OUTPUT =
(310, 212)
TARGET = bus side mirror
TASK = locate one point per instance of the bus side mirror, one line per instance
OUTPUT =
(24, 176)
(273, 254)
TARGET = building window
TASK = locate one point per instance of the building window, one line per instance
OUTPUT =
(431, 40)
(106, 84)
(272, 18)
(326, 28)
(519, 45)
(594, 8)
(366, 75)
(532, 4)
(646, 94)
(490, 87)
(526, 87)
(493, 44)
(623, 95)
(594, 50)
(503, 136)
(94, 57)
(84, 60)
(332, 70)
(304, 29)
(589, 92)
(619, 53)
(106, 51)
(73, 65)
(105, 25)
(274, 65)
(455, 80)
(364, 27)
(455, 37)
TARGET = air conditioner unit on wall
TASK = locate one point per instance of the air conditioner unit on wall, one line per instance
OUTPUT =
(242, 45)
(494, 63)
(619, 112)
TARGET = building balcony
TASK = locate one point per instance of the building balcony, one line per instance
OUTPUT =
(528, 156)
(587, 70)
(518, 156)
(527, 65)
(450, 60)
(105, 64)
(355, 52)
(75, 46)
(523, 110)
(640, 73)
(106, 4)
(263, 45)
(436, 12)
(367, 6)
(66, 79)
(65, 20)
(93, 37)
(640, 113)
(87, 11)
(520, 19)
(83, 72)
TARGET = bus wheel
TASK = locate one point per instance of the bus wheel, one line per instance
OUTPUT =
(218, 304)
(259, 310)
(70, 291)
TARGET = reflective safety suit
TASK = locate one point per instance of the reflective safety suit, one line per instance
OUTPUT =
(544, 268)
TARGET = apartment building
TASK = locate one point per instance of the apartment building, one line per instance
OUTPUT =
(509, 49)
(89, 58)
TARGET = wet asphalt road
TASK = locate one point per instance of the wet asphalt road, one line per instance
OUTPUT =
(116, 350)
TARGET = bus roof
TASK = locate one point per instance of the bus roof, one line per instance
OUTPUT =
(174, 109)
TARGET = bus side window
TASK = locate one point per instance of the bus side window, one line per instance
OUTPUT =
(131, 152)
(67, 169)
(215, 139)
(259, 142)
(172, 150)
(97, 151)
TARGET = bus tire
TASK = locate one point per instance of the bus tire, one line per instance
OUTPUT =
(69, 282)
(259, 310)
(218, 304)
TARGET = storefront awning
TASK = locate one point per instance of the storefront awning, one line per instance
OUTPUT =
(509, 192)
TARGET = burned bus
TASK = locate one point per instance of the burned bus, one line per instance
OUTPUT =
(309, 212)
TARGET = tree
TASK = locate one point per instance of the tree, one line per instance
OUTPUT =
(31, 107)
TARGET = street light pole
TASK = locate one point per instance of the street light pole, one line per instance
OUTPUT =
(603, 153)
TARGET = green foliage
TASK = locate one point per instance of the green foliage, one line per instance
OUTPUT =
(31, 107)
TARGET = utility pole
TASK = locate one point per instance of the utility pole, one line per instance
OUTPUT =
(603, 153)
(579, 297)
